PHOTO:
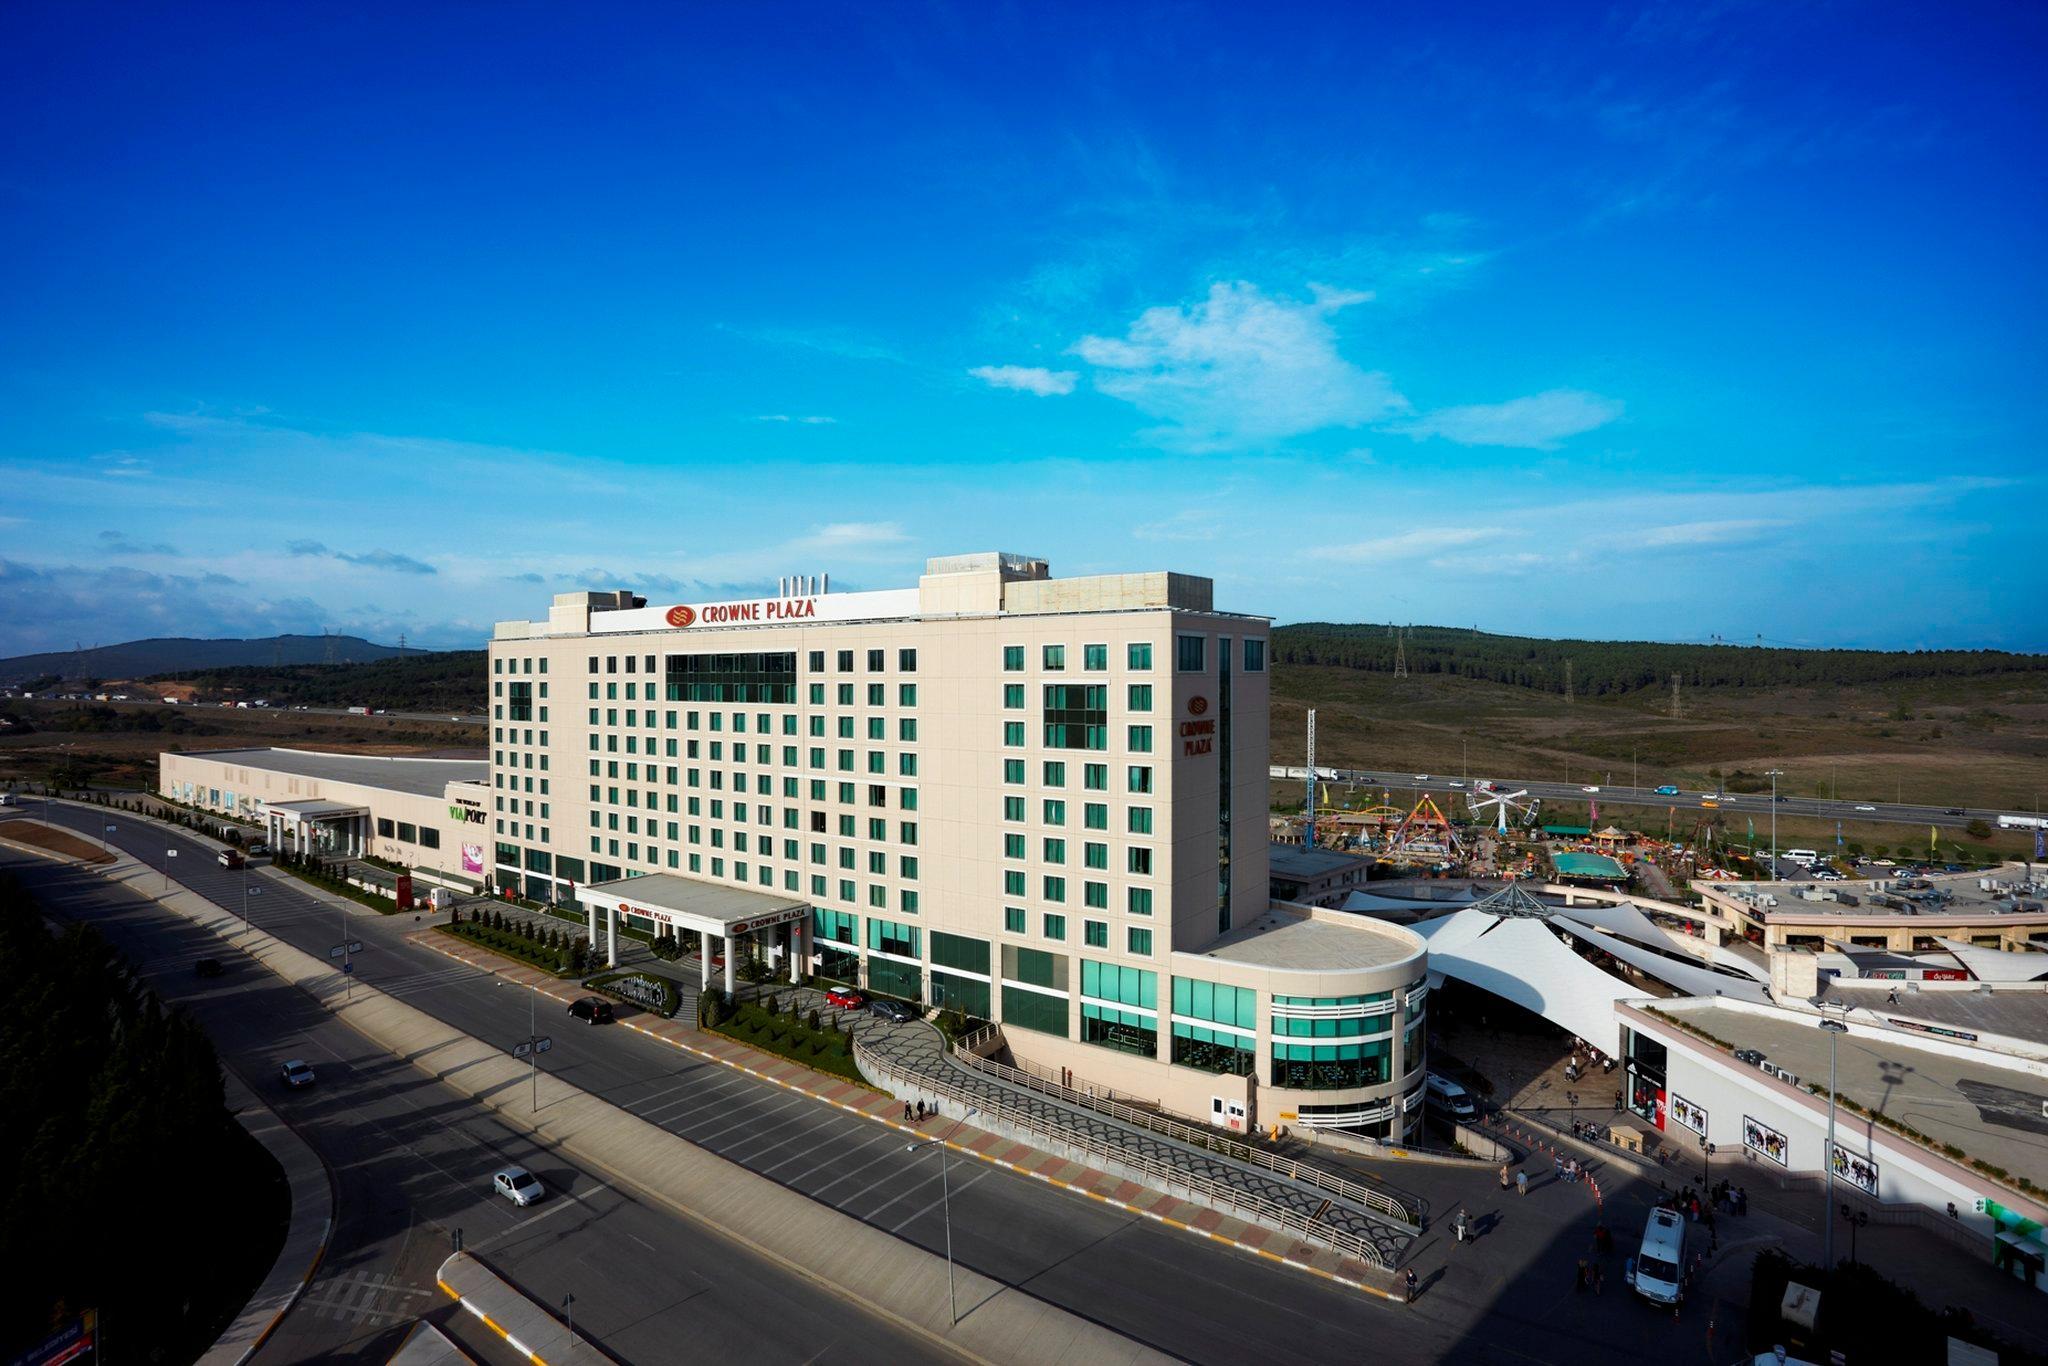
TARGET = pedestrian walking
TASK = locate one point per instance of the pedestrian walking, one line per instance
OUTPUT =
(906, 1112)
(1503, 1176)
(1558, 1164)
(1521, 1183)
(1458, 1224)
(1408, 1282)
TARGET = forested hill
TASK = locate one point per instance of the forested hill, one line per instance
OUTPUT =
(453, 681)
(136, 658)
(1614, 667)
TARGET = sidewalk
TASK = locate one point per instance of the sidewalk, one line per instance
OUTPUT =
(529, 1329)
(1174, 1211)
(305, 1240)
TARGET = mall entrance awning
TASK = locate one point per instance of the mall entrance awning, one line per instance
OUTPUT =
(712, 909)
(339, 827)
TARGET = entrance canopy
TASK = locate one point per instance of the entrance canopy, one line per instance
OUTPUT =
(684, 903)
(331, 827)
(300, 813)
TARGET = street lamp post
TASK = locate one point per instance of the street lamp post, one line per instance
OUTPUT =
(1706, 1168)
(1835, 1029)
(534, 1043)
(1855, 1219)
(569, 1312)
(946, 1203)
(1774, 775)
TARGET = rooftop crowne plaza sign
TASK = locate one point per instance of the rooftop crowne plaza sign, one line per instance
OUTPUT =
(748, 613)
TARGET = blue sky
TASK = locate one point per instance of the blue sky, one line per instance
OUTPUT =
(1663, 321)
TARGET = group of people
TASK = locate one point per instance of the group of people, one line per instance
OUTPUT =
(1568, 1169)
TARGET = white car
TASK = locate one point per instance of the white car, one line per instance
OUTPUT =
(296, 1073)
(1456, 783)
(517, 1184)
(1422, 777)
(1866, 808)
(1590, 789)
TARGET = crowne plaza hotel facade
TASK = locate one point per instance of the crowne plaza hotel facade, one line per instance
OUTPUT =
(1034, 800)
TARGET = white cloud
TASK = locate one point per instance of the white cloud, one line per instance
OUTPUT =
(1536, 423)
(1030, 379)
(1241, 368)
(846, 536)
(1420, 541)
(812, 421)
(1711, 532)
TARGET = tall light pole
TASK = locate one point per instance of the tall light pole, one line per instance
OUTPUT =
(1835, 1029)
(946, 1203)
(1774, 775)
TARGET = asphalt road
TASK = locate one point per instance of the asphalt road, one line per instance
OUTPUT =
(1178, 1293)
(412, 1161)
(1447, 788)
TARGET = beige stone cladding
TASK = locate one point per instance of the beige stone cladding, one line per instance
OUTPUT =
(244, 782)
(999, 791)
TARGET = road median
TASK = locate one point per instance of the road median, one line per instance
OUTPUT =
(878, 1272)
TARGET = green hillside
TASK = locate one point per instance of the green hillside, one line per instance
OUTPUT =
(1608, 668)
(449, 681)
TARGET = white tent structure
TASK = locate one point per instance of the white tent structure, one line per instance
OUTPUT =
(1510, 944)
(1997, 965)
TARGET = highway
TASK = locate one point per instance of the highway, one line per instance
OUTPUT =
(412, 1159)
(1446, 788)
(1176, 1292)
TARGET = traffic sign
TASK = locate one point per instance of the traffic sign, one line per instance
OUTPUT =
(339, 950)
(348, 969)
(528, 1047)
(170, 853)
(111, 829)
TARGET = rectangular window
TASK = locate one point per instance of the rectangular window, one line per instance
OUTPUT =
(1013, 808)
(1055, 773)
(1055, 926)
(1190, 653)
(1013, 697)
(1013, 770)
(1054, 658)
(1095, 816)
(1139, 697)
(1055, 813)
(1095, 933)
(906, 694)
(1138, 940)
(1139, 739)
(1255, 656)
(1095, 895)
(1013, 659)
(1095, 777)
(1141, 862)
(1076, 716)
(1138, 901)
(1013, 919)
(1013, 734)
(1138, 820)
(875, 658)
(1095, 855)
(1095, 658)
(1013, 845)
(1138, 778)
(1054, 889)
(1138, 655)
(1055, 851)
(906, 661)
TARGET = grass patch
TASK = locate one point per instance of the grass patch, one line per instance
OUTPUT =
(510, 944)
(610, 983)
(788, 1036)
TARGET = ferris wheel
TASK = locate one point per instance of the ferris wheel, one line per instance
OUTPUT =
(1503, 803)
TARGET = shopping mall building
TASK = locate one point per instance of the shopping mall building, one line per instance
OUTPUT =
(1039, 801)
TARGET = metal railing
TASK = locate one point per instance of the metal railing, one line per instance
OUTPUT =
(1196, 1135)
(1163, 1176)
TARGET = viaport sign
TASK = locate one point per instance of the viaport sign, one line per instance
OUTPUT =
(474, 815)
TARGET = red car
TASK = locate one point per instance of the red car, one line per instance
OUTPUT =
(846, 998)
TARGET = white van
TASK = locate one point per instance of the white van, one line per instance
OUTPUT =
(1659, 1267)
(1445, 1095)
(1804, 857)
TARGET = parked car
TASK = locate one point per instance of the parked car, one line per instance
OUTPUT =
(230, 858)
(1749, 1056)
(259, 847)
(592, 1009)
(518, 1185)
(894, 1011)
(208, 967)
(296, 1073)
(1668, 790)
(846, 998)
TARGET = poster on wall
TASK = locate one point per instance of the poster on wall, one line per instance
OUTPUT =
(472, 858)
(1762, 1138)
(1689, 1114)
(1858, 1170)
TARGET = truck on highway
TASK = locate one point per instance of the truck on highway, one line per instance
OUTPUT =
(2023, 822)
(358, 711)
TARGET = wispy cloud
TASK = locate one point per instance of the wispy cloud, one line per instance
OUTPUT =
(1240, 368)
(801, 421)
(1419, 541)
(1710, 532)
(369, 559)
(1540, 422)
(1030, 379)
(116, 543)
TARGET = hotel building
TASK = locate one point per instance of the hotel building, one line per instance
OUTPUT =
(1038, 801)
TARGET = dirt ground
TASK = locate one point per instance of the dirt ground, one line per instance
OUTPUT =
(128, 757)
(56, 841)
(1976, 742)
